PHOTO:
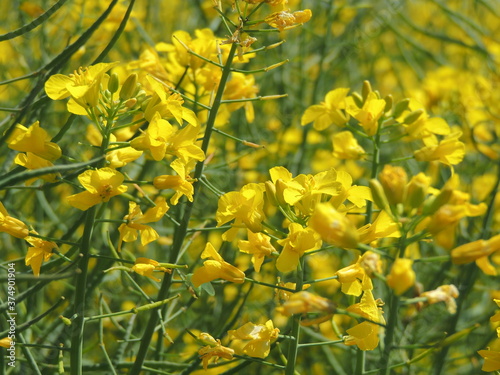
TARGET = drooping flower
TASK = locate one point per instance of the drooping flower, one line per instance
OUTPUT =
(478, 251)
(444, 293)
(365, 335)
(35, 140)
(259, 245)
(146, 267)
(11, 225)
(254, 340)
(213, 349)
(216, 268)
(100, 186)
(136, 220)
(39, 252)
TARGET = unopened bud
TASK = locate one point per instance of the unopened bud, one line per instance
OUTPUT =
(129, 87)
(378, 195)
(393, 180)
(366, 90)
(414, 116)
(417, 190)
(434, 203)
(113, 83)
(65, 320)
(400, 107)
(357, 99)
(280, 190)
(271, 193)
(389, 101)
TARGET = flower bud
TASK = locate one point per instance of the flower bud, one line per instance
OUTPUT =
(401, 107)
(414, 116)
(378, 195)
(366, 89)
(393, 180)
(271, 193)
(357, 99)
(416, 190)
(402, 277)
(280, 190)
(434, 203)
(129, 87)
(334, 227)
(113, 83)
(389, 101)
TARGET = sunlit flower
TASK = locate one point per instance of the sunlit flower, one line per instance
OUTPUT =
(369, 114)
(449, 151)
(136, 220)
(122, 156)
(354, 279)
(491, 360)
(394, 181)
(35, 140)
(39, 252)
(478, 251)
(259, 245)
(155, 137)
(6, 342)
(180, 183)
(329, 112)
(216, 268)
(345, 146)
(304, 302)
(283, 19)
(100, 186)
(32, 161)
(334, 227)
(11, 225)
(254, 340)
(298, 241)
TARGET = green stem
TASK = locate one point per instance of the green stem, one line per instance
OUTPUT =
(295, 330)
(182, 229)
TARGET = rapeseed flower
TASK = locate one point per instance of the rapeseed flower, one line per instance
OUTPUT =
(254, 340)
(402, 276)
(331, 111)
(146, 267)
(39, 252)
(11, 225)
(259, 246)
(35, 140)
(100, 186)
(213, 349)
(354, 278)
(345, 146)
(299, 241)
(155, 138)
(369, 114)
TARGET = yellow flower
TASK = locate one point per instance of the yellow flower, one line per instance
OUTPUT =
(216, 268)
(357, 195)
(100, 186)
(478, 251)
(35, 140)
(334, 227)
(394, 181)
(369, 114)
(331, 111)
(402, 276)
(345, 146)
(298, 241)
(244, 206)
(32, 161)
(491, 360)
(179, 183)
(155, 137)
(366, 334)
(121, 157)
(136, 220)
(354, 278)
(254, 340)
(146, 267)
(382, 227)
(83, 86)
(259, 245)
(214, 349)
(11, 225)
(444, 293)
(39, 252)
(449, 151)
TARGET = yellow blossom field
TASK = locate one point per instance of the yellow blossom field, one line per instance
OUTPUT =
(250, 187)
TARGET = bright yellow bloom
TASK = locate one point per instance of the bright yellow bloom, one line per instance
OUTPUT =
(366, 334)
(491, 360)
(244, 206)
(345, 146)
(426, 127)
(282, 20)
(214, 349)
(35, 140)
(329, 112)
(402, 277)
(83, 86)
(216, 268)
(254, 340)
(11, 225)
(449, 151)
(444, 293)
(183, 144)
(39, 252)
(357, 195)
(122, 156)
(369, 114)
(334, 227)
(259, 245)
(100, 186)
(155, 137)
(179, 183)
(136, 220)
(32, 161)
(382, 227)
(146, 267)
(298, 241)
